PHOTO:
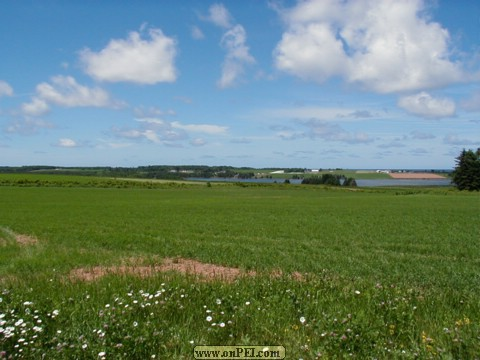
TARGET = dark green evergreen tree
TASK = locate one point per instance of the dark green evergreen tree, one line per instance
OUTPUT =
(350, 182)
(466, 175)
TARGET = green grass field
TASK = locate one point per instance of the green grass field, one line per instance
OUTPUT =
(387, 273)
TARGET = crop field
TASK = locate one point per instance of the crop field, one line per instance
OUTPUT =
(95, 268)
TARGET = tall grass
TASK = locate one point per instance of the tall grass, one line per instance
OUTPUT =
(387, 273)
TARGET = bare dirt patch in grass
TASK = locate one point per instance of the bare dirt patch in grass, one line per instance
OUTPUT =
(415, 176)
(25, 239)
(203, 271)
(7, 236)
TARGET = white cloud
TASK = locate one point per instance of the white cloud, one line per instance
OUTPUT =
(65, 91)
(197, 33)
(319, 129)
(198, 142)
(234, 42)
(219, 15)
(322, 113)
(28, 126)
(5, 89)
(166, 132)
(201, 128)
(384, 46)
(114, 145)
(137, 60)
(423, 104)
(311, 52)
(67, 143)
(36, 107)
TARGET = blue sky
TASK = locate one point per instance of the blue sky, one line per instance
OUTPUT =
(315, 84)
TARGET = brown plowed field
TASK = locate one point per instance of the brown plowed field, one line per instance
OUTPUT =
(415, 176)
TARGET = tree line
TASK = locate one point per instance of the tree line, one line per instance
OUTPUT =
(330, 179)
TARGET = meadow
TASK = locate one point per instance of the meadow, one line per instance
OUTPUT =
(325, 272)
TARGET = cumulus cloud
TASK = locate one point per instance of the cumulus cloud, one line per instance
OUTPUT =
(161, 131)
(219, 15)
(65, 91)
(384, 46)
(67, 143)
(425, 105)
(134, 59)
(234, 42)
(5, 89)
(201, 128)
(36, 107)
(197, 33)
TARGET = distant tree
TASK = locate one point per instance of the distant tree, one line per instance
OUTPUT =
(330, 179)
(466, 175)
(350, 182)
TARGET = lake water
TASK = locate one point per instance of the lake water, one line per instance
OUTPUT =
(360, 183)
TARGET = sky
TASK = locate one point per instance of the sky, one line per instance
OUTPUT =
(357, 84)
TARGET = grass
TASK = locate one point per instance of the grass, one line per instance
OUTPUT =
(387, 273)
